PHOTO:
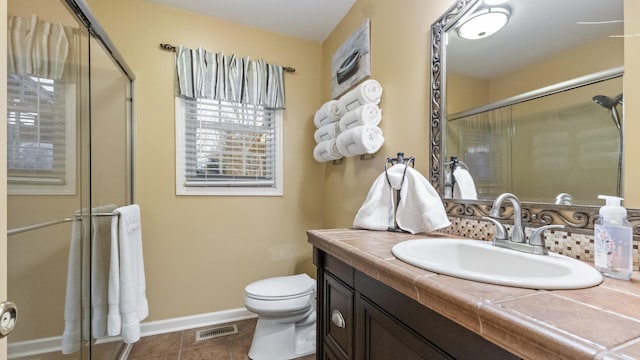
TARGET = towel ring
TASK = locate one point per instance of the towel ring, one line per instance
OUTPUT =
(400, 159)
(453, 165)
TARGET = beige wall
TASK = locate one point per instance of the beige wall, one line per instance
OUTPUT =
(200, 252)
(631, 168)
(599, 55)
(400, 38)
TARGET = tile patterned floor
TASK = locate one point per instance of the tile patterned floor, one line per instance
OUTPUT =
(182, 345)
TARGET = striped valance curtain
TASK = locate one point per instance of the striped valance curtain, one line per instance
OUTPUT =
(215, 76)
(38, 48)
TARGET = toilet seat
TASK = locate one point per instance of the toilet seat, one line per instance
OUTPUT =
(281, 288)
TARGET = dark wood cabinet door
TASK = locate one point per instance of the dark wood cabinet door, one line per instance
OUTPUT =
(338, 318)
(385, 338)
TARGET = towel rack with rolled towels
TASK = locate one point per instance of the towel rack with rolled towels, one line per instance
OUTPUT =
(26, 228)
(400, 159)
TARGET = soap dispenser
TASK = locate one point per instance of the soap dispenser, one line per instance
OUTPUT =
(613, 240)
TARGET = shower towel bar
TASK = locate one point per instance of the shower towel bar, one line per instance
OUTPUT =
(53, 222)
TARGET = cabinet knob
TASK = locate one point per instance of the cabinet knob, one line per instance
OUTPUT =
(337, 319)
(8, 317)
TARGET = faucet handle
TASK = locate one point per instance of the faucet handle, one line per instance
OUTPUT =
(501, 231)
(537, 239)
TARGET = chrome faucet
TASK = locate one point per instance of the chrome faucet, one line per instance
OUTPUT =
(517, 234)
(517, 240)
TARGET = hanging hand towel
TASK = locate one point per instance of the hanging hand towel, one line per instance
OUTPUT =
(420, 208)
(76, 306)
(326, 151)
(369, 91)
(360, 140)
(464, 187)
(127, 285)
(329, 112)
(327, 132)
(376, 212)
(100, 258)
(367, 114)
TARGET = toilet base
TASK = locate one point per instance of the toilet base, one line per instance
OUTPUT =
(275, 339)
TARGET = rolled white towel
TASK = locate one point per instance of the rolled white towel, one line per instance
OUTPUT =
(327, 132)
(367, 114)
(360, 140)
(369, 91)
(326, 151)
(329, 112)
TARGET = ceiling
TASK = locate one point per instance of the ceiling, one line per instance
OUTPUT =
(537, 28)
(302, 19)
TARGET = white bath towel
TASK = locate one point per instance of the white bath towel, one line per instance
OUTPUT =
(369, 91)
(100, 258)
(367, 114)
(360, 140)
(326, 151)
(127, 285)
(327, 132)
(464, 187)
(420, 208)
(76, 307)
(327, 113)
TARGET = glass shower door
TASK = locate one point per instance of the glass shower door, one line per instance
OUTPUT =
(47, 176)
(68, 156)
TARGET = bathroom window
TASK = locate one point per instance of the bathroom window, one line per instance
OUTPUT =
(227, 148)
(40, 136)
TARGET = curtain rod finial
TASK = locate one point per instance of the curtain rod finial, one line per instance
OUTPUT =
(168, 47)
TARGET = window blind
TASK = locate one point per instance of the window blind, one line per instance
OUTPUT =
(36, 130)
(229, 144)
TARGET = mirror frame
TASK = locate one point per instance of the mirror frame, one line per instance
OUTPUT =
(577, 218)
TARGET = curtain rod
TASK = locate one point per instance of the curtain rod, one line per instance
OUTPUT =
(169, 47)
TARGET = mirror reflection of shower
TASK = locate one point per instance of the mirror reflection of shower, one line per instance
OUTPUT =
(611, 104)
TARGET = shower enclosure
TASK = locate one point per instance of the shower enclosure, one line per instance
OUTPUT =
(69, 131)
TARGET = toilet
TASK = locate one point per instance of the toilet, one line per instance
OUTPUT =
(286, 309)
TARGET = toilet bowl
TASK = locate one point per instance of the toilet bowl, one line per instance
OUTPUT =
(286, 327)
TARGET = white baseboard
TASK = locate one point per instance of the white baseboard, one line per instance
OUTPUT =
(54, 344)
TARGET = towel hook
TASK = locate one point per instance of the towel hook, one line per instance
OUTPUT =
(400, 159)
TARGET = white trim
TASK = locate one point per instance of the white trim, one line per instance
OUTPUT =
(54, 344)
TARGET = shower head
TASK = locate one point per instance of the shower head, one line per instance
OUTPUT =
(607, 102)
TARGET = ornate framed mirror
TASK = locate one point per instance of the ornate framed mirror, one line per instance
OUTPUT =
(577, 216)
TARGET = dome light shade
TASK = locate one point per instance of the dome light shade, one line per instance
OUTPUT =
(483, 23)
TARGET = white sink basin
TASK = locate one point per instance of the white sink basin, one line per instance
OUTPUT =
(480, 261)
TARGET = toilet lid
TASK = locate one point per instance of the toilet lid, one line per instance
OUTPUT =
(281, 287)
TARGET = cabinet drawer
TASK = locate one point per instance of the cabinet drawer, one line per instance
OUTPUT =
(338, 316)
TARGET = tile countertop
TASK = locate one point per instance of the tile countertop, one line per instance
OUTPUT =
(601, 322)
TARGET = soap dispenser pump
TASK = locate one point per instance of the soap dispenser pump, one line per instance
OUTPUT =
(613, 239)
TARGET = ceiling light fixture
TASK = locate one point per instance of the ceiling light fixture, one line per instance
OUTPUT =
(484, 22)
(494, 2)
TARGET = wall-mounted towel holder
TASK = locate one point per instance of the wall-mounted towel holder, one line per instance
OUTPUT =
(400, 159)
(362, 157)
(450, 180)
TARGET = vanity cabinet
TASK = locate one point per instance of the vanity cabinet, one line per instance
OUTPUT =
(362, 318)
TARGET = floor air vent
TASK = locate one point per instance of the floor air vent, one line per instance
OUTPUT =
(214, 332)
